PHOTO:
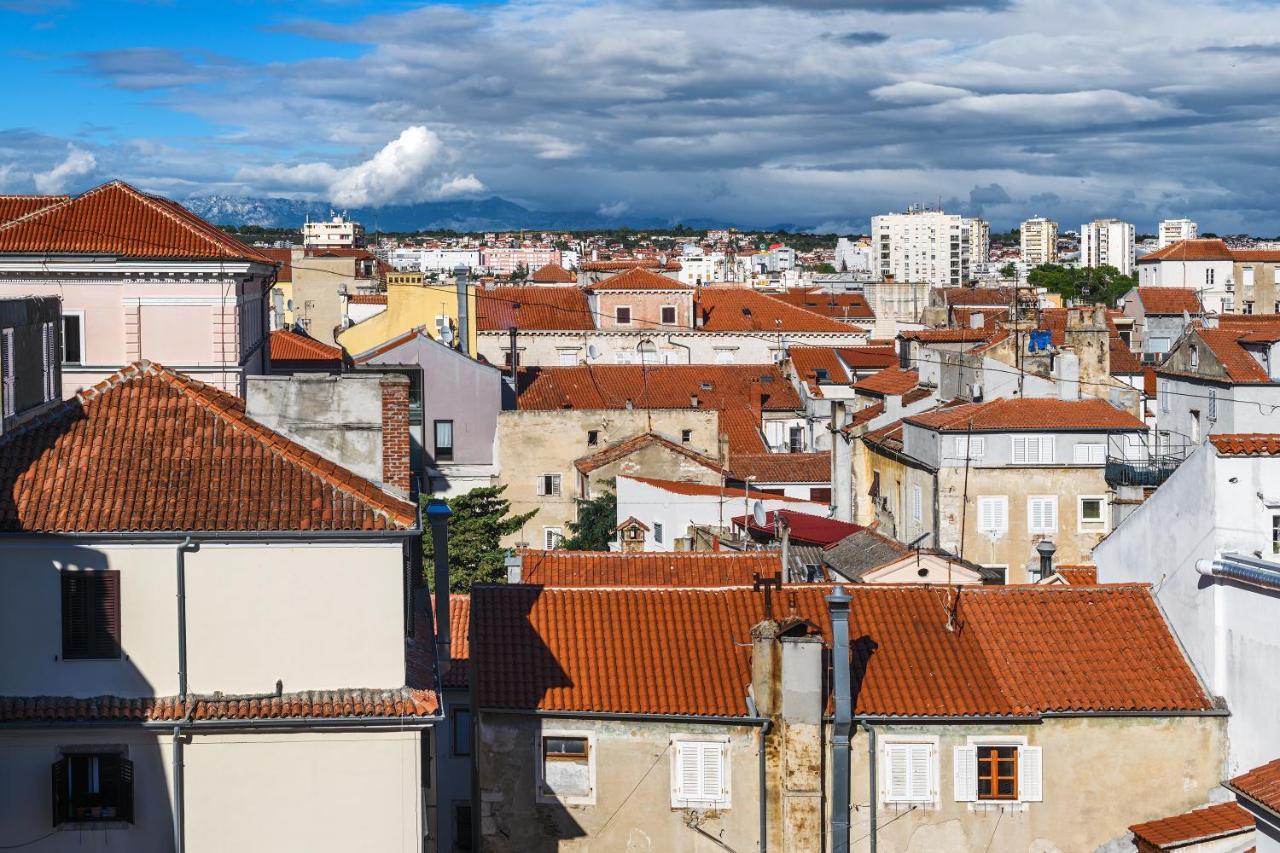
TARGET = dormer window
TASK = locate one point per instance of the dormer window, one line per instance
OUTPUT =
(1195, 356)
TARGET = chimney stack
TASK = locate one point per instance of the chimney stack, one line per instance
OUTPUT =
(1046, 550)
(838, 605)
(438, 513)
(396, 473)
(460, 274)
(515, 359)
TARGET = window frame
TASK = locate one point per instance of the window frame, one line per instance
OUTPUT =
(462, 817)
(1085, 526)
(662, 315)
(79, 315)
(549, 544)
(932, 744)
(992, 794)
(549, 485)
(1044, 529)
(970, 447)
(541, 793)
(1028, 757)
(64, 802)
(1075, 453)
(1001, 500)
(439, 452)
(1042, 441)
(617, 315)
(678, 798)
(1275, 534)
(114, 629)
(456, 714)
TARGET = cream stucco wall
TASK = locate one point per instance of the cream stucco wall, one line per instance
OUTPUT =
(255, 614)
(412, 303)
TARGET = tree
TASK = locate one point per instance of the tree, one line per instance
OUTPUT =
(823, 268)
(1009, 271)
(1084, 285)
(480, 519)
(597, 517)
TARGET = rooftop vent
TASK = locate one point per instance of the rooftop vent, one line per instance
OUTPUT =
(705, 386)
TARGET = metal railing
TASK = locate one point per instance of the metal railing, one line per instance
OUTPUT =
(1145, 472)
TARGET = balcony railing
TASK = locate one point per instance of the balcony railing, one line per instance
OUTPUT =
(1141, 472)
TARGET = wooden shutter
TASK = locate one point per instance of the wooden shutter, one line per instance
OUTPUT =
(1030, 776)
(898, 772)
(920, 758)
(90, 614)
(61, 793)
(965, 773)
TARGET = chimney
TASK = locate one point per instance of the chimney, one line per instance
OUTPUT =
(764, 667)
(1066, 370)
(838, 604)
(841, 463)
(1046, 550)
(438, 513)
(515, 358)
(396, 473)
(693, 400)
(464, 317)
(904, 354)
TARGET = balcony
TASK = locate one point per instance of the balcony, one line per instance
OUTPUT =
(1150, 472)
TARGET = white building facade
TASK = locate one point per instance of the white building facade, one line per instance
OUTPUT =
(1107, 243)
(1173, 230)
(921, 245)
(979, 240)
(336, 232)
(1039, 242)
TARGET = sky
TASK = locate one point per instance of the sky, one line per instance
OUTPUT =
(821, 112)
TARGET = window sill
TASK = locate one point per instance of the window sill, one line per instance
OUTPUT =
(94, 825)
(998, 805)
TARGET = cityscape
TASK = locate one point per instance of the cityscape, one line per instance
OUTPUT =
(561, 426)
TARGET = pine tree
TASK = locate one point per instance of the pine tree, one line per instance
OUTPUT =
(597, 518)
(480, 519)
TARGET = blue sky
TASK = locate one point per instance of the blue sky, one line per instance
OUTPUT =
(810, 111)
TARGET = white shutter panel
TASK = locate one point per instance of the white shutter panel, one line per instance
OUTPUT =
(1080, 455)
(897, 773)
(1001, 513)
(1046, 449)
(921, 758)
(555, 485)
(541, 486)
(1019, 449)
(1033, 514)
(1050, 513)
(711, 772)
(965, 773)
(986, 513)
(1030, 776)
(960, 447)
(977, 448)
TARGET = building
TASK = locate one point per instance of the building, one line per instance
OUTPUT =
(1258, 793)
(979, 241)
(296, 642)
(446, 309)
(1161, 315)
(1176, 230)
(668, 715)
(1039, 242)
(1227, 280)
(292, 352)
(1107, 243)
(502, 260)
(31, 357)
(139, 277)
(434, 260)
(921, 246)
(852, 256)
(321, 283)
(336, 232)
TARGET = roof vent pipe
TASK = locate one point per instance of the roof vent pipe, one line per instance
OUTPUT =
(1046, 550)
(460, 274)
(438, 514)
(838, 604)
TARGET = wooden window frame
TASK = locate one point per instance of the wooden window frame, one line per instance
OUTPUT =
(617, 315)
(69, 812)
(992, 781)
(545, 795)
(441, 452)
(675, 315)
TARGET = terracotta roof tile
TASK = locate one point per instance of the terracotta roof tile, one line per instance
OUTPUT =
(660, 569)
(742, 428)
(1241, 367)
(947, 336)
(809, 361)
(116, 219)
(283, 259)
(890, 382)
(837, 306)
(150, 449)
(782, 467)
(533, 308)
(1200, 825)
(681, 651)
(1261, 785)
(865, 415)
(741, 309)
(629, 263)
(1203, 249)
(14, 206)
(639, 279)
(553, 274)
(1079, 575)
(459, 641)
(869, 357)
(887, 437)
(984, 297)
(662, 386)
(680, 487)
(1169, 300)
(1263, 255)
(367, 299)
(289, 348)
(626, 447)
(1246, 444)
(1028, 413)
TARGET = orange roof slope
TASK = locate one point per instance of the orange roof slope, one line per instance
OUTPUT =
(660, 386)
(283, 259)
(740, 309)
(148, 449)
(742, 428)
(639, 279)
(680, 487)
(680, 651)
(459, 641)
(807, 361)
(1235, 359)
(116, 219)
(553, 274)
(14, 206)
(1246, 444)
(1202, 249)
(837, 306)
(1079, 575)
(533, 308)
(782, 467)
(1029, 413)
(628, 263)
(288, 347)
(1194, 827)
(948, 336)
(890, 382)
(1261, 785)
(868, 357)
(1169, 300)
(626, 447)
(665, 569)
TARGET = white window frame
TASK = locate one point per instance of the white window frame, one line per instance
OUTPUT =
(80, 315)
(1085, 526)
(541, 792)
(1043, 443)
(1044, 528)
(1026, 753)
(1003, 502)
(554, 491)
(976, 446)
(618, 321)
(679, 799)
(1091, 449)
(552, 537)
(888, 744)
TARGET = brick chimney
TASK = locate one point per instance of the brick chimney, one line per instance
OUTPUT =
(395, 432)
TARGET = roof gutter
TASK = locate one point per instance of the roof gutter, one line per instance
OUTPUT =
(610, 715)
(1250, 571)
(273, 723)
(176, 537)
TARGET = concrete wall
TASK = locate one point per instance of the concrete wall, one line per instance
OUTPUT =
(1263, 293)
(253, 792)
(675, 346)
(255, 614)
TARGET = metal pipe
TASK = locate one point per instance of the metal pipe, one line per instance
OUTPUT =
(1247, 570)
(179, 777)
(460, 274)
(838, 604)
(871, 782)
(438, 513)
(179, 794)
(515, 381)
(763, 787)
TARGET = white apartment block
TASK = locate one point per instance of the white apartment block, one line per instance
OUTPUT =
(851, 256)
(1107, 242)
(337, 232)
(1039, 242)
(979, 240)
(506, 261)
(1174, 230)
(921, 245)
(433, 260)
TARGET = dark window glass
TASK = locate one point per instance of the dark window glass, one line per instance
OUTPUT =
(462, 827)
(71, 339)
(92, 788)
(461, 731)
(444, 439)
(997, 773)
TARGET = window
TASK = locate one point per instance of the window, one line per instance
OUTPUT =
(1275, 534)
(699, 777)
(1195, 356)
(92, 788)
(1092, 509)
(686, 435)
(993, 515)
(1042, 514)
(821, 374)
(567, 768)
(460, 731)
(444, 440)
(622, 315)
(917, 504)
(549, 485)
(1228, 305)
(668, 315)
(593, 437)
(1090, 453)
(73, 337)
(552, 537)
(910, 772)
(1248, 307)
(970, 448)
(820, 494)
(462, 827)
(506, 359)
(795, 442)
(724, 356)
(1213, 404)
(1209, 275)
(1032, 449)
(568, 359)
(657, 532)
(1158, 345)
(90, 615)
(7, 371)
(1003, 772)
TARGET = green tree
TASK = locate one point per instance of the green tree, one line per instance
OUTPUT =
(481, 517)
(1008, 271)
(1084, 285)
(823, 268)
(597, 517)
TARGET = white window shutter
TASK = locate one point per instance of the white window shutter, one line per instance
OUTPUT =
(921, 786)
(977, 447)
(965, 773)
(1046, 448)
(1051, 515)
(712, 772)
(897, 774)
(1030, 775)
(960, 447)
(687, 776)
(1019, 449)
(541, 485)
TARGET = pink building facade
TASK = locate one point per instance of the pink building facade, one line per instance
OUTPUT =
(505, 261)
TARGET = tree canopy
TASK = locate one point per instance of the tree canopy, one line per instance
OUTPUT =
(597, 517)
(1086, 285)
(481, 517)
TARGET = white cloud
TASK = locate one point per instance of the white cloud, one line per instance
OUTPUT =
(916, 92)
(77, 164)
(616, 209)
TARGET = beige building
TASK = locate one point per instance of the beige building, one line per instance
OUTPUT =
(634, 732)
(1039, 242)
(1176, 230)
(313, 298)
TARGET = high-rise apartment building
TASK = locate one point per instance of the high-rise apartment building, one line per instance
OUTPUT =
(1107, 242)
(337, 232)
(1039, 242)
(921, 246)
(1175, 230)
(979, 240)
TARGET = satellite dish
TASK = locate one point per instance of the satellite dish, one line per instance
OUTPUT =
(446, 335)
(758, 514)
(593, 351)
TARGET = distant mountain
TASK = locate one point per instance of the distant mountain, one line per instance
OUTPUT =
(487, 214)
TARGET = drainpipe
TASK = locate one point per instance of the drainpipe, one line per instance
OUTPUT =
(764, 793)
(1263, 574)
(179, 780)
(438, 513)
(838, 604)
(871, 782)
(688, 350)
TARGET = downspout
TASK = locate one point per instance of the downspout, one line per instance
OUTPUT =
(838, 604)
(871, 782)
(763, 785)
(687, 349)
(179, 780)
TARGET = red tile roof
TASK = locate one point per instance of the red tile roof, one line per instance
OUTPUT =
(663, 569)
(1246, 444)
(116, 219)
(459, 641)
(984, 297)
(680, 487)
(805, 528)
(628, 263)
(1028, 413)
(367, 298)
(741, 309)
(867, 358)
(625, 448)
(148, 449)
(947, 336)
(284, 260)
(1079, 575)
(742, 428)
(290, 349)
(782, 467)
(890, 382)
(553, 274)
(1169, 300)
(837, 306)
(683, 651)
(887, 437)
(1194, 827)
(807, 361)
(533, 308)
(1263, 255)
(865, 415)
(661, 386)
(1260, 785)
(1203, 249)
(1224, 343)
(639, 279)
(14, 206)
